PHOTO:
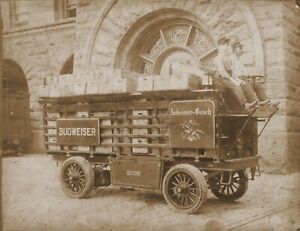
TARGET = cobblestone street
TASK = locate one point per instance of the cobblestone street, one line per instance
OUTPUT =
(34, 200)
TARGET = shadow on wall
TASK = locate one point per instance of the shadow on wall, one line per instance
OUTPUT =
(68, 66)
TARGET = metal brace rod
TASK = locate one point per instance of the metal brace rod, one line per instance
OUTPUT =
(266, 123)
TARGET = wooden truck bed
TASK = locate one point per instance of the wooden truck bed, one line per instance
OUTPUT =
(132, 124)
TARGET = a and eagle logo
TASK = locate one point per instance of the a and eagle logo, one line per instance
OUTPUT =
(191, 130)
(192, 124)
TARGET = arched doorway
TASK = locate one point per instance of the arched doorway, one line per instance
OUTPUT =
(179, 39)
(16, 117)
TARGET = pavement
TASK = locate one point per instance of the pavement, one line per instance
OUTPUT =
(32, 199)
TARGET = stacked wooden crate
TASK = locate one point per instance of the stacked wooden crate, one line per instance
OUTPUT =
(44, 89)
(92, 84)
(79, 85)
(184, 81)
(50, 119)
(54, 87)
(65, 85)
(136, 127)
(181, 77)
(140, 131)
(117, 81)
(123, 81)
(145, 83)
(81, 114)
(108, 82)
(105, 83)
(168, 82)
(106, 133)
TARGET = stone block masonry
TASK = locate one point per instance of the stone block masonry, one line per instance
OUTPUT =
(291, 22)
(278, 26)
(41, 53)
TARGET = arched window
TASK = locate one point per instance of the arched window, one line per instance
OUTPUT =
(163, 42)
(175, 41)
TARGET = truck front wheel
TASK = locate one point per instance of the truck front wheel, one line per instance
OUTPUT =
(77, 177)
(184, 188)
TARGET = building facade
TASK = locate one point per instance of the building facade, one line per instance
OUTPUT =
(48, 38)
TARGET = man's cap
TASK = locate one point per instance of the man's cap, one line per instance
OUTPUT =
(223, 40)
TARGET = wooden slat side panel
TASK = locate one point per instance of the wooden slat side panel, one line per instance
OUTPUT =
(119, 126)
(138, 145)
(66, 108)
(148, 136)
(138, 105)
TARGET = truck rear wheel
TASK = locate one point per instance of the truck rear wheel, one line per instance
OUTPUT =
(77, 177)
(231, 190)
(184, 188)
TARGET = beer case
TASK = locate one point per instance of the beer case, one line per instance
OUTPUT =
(161, 83)
(145, 83)
(65, 83)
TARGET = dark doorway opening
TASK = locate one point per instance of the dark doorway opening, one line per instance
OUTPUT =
(16, 115)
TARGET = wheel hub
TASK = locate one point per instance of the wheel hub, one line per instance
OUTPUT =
(182, 189)
(75, 175)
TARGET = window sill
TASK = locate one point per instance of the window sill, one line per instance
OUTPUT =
(62, 22)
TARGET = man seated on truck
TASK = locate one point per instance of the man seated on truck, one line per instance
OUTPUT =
(223, 64)
(251, 87)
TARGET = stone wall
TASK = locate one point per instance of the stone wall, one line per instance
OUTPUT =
(122, 15)
(279, 24)
(41, 53)
(88, 13)
(273, 144)
(103, 39)
(105, 32)
(291, 39)
(24, 14)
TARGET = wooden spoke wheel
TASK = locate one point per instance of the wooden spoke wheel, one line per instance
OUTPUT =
(234, 185)
(77, 177)
(184, 188)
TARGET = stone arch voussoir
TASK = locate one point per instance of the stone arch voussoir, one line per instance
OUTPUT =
(111, 39)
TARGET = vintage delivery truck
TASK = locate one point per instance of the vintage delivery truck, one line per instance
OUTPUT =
(181, 142)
